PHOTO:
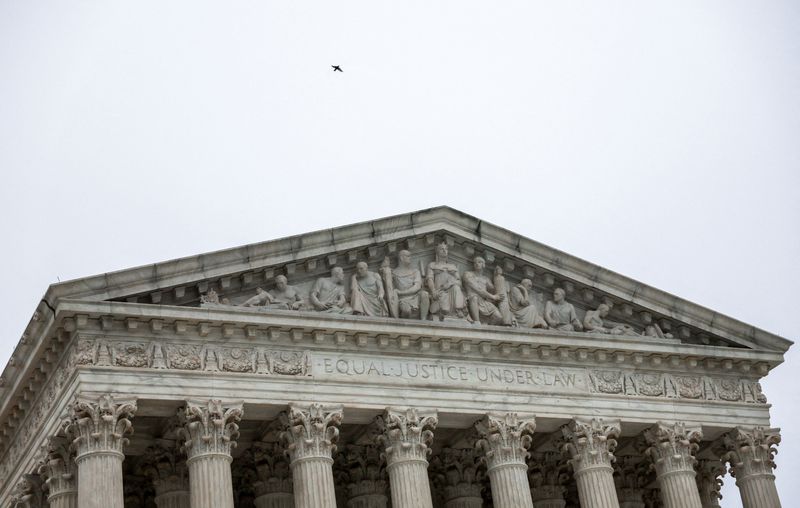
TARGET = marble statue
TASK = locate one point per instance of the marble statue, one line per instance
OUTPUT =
(560, 314)
(444, 283)
(521, 302)
(286, 296)
(210, 297)
(481, 296)
(501, 288)
(261, 299)
(653, 330)
(367, 296)
(595, 321)
(404, 291)
(328, 294)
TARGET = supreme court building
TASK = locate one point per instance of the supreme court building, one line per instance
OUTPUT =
(423, 360)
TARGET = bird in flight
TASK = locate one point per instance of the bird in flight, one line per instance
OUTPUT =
(337, 68)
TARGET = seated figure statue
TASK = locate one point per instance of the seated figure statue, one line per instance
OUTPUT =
(261, 299)
(328, 293)
(481, 297)
(285, 296)
(523, 307)
(444, 284)
(595, 321)
(367, 293)
(560, 314)
(404, 291)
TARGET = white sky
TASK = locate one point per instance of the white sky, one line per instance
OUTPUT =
(658, 139)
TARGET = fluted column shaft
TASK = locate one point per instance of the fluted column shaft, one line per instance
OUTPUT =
(210, 429)
(99, 426)
(590, 445)
(275, 500)
(175, 499)
(510, 486)
(671, 448)
(68, 499)
(369, 501)
(60, 473)
(751, 452)
(406, 436)
(312, 432)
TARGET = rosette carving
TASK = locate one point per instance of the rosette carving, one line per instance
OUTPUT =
(209, 427)
(505, 438)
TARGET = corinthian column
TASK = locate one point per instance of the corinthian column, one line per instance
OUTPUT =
(60, 473)
(751, 453)
(671, 448)
(548, 473)
(274, 486)
(504, 443)
(631, 476)
(589, 445)
(210, 429)
(709, 481)
(312, 432)
(361, 470)
(100, 426)
(406, 436)
(166, 468)
(458, 476)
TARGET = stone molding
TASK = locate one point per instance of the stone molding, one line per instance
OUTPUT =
(311, 431)
(505, 438)
(406, 435)
(209, 427)
(590, 443)
(671, 446)
(751, 452)
(100, 424)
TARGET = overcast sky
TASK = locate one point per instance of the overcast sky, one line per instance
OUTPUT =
(657, 139)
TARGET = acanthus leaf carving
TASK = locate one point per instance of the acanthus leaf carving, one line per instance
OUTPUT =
(406, 434)
(751, 451)
(166, 468)
(671, 447)
(709, 481)
(589, 442)
(504, 438)
(311, 431)
(100, 424)
(273, 469)
(209, 427)
(458, 473)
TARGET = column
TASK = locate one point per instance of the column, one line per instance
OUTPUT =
(709, 481)
(504, 441)
(60, 473)
(362, 471)
(458, 477)
(751, 453)
(671, 448)
(274, 487)
(209, 430)
(100, 425)
(589, 445)
(312, 432)
(165, 466)
(406, 436)
(631, 476)
(27, 493)
(548, 473)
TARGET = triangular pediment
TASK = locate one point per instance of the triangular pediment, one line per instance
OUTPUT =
(236, 274)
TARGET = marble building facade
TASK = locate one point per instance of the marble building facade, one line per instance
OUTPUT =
(424, 360)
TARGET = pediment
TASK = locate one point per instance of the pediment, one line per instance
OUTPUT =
(231, 277)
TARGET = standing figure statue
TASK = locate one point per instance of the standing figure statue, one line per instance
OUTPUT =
(594, 321)
(327, 295)
(366, 292)
(522, 305)
(285, 296)
(481, 297)
(501, 288)
(404, 291)
(560, 314)
(444, 284)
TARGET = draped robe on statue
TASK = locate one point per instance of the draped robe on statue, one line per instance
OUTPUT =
(366, 296)
(446, 280)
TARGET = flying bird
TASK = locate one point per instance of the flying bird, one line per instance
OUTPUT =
(337, 68)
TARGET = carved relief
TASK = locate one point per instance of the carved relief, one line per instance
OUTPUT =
(183, 356)
(131, 354)
(238, 360)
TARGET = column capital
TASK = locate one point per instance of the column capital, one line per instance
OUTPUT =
(272, 468)
(458, 473)
(751, 451)
(406, 434)
(27, 493)
(209, 427)
(361, 469)
(548, 473)
(100, 424)
(590, 443)
(165, 466)
(671, 446)
(311, 430)
(632, 473)
(57, 467)
(709, 481)
(505, 438)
